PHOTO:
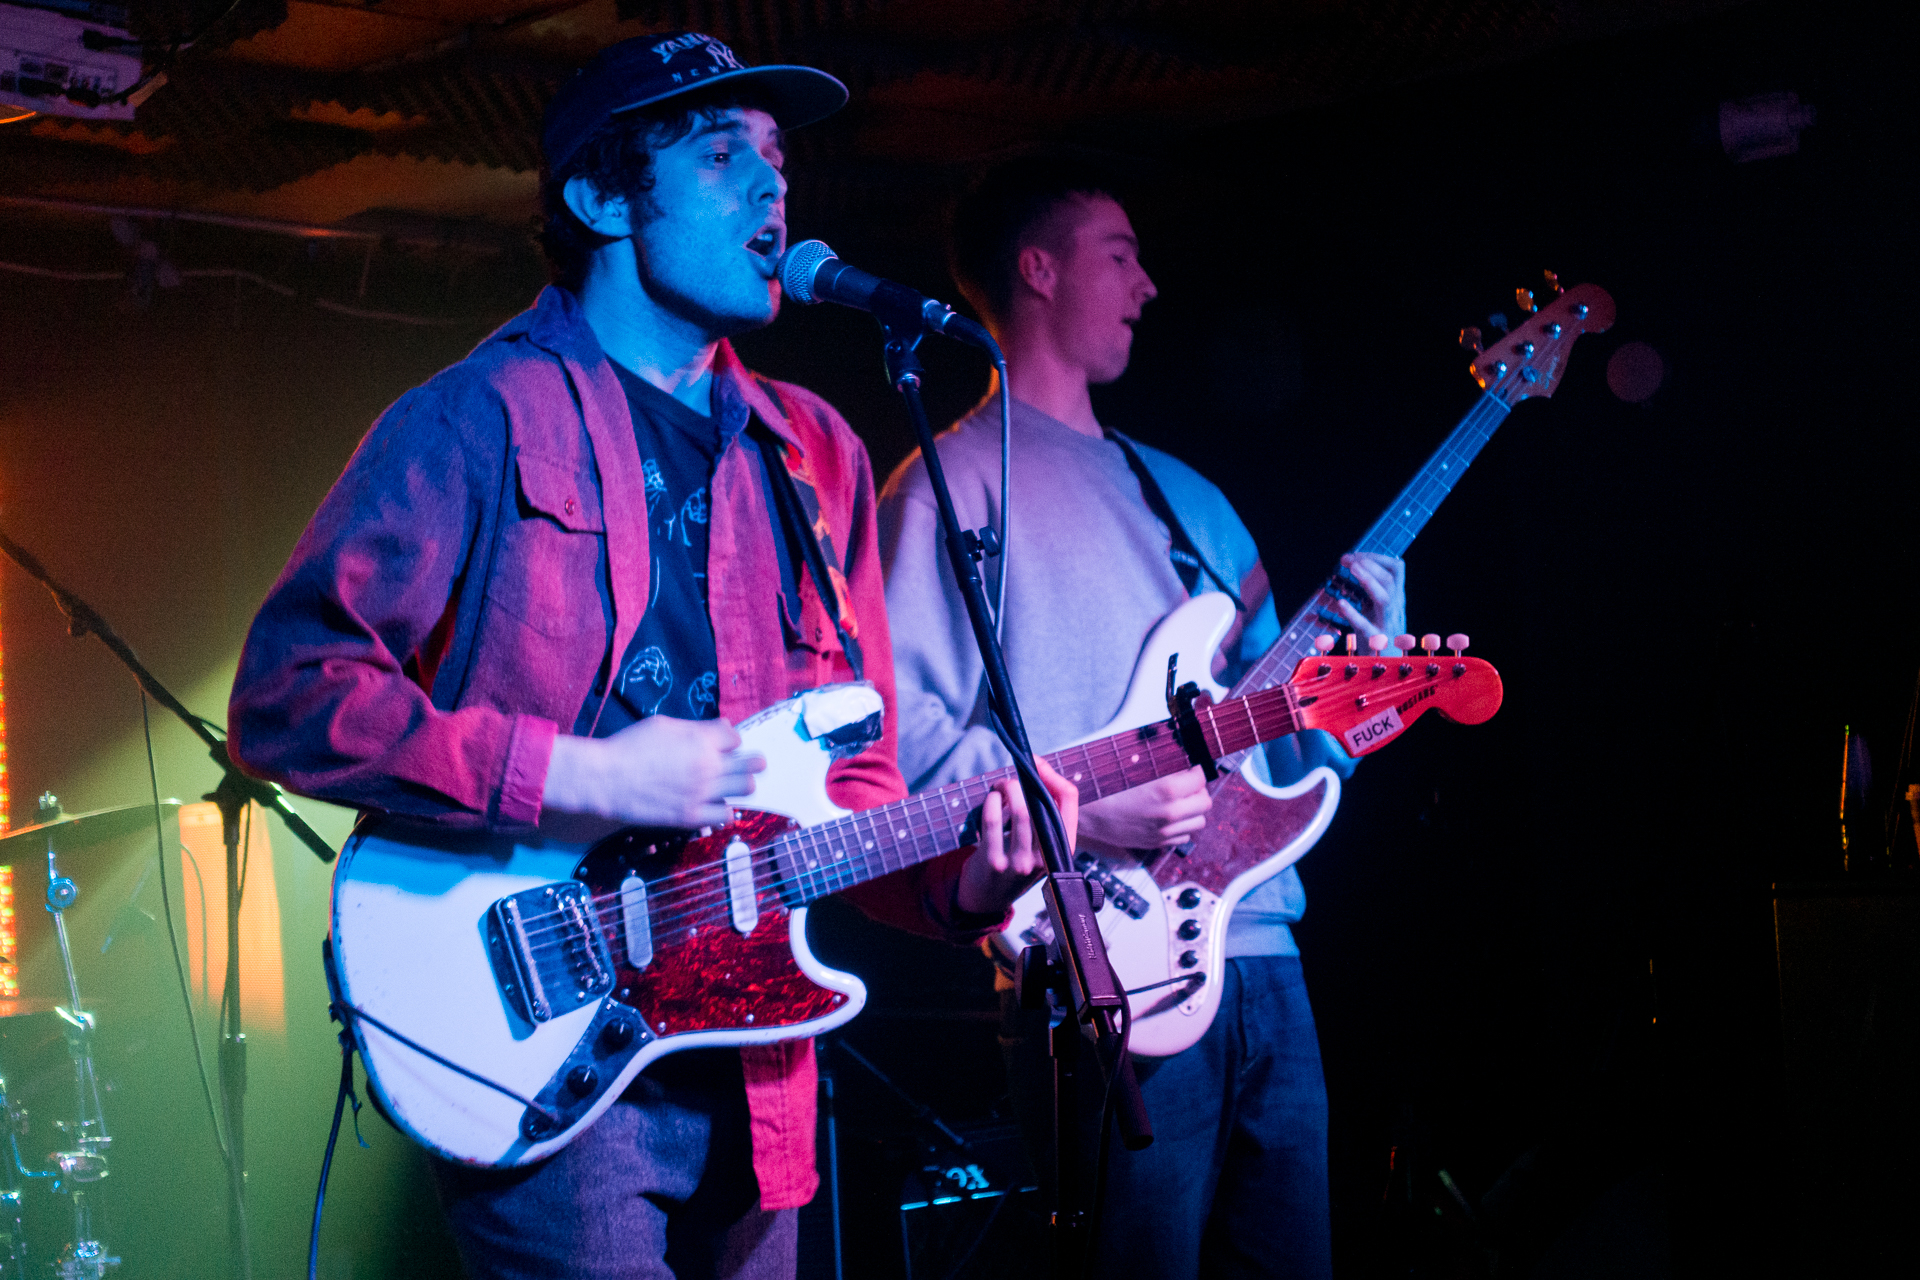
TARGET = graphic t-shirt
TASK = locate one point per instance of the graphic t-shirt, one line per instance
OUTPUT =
(670, 667)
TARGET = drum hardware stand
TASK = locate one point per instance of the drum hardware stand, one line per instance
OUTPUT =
(235, 791)
(85, 1258)
(13, 1223)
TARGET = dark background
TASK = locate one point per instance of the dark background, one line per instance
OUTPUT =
(1541, 950)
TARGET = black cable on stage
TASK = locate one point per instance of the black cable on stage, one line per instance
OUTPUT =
(173, 937)
(340, 1101)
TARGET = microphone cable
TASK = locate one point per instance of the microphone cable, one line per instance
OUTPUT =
(1006, 492)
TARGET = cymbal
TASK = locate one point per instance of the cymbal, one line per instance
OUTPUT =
(77, 830)
(21, 1008)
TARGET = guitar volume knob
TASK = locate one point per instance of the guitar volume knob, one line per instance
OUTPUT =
(1188, 930)
(1188, 959)
(1188, 899)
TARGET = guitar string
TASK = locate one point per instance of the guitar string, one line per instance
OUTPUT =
(923, 826)
(1455, 454)
(893, 810)
(711, 887)
(1262, 702)
(710, 881)
(679, 911)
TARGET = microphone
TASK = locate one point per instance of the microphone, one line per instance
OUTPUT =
(810, 273)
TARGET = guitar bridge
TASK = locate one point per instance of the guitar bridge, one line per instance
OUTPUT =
(549, 953)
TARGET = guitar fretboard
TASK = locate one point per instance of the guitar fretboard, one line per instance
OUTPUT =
(819, 860)
(1390, 535)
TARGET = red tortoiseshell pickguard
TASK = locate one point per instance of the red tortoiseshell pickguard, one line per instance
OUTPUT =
(709, 977)
(1244, 827)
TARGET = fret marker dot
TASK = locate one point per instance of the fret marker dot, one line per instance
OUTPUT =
(900, 835)
(1134, 759)
(1076, 777)
(955, 805)
(869, 844)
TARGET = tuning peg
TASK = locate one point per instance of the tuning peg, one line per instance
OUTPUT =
(1470, 339)
(1553, 282)
(1353, 642)
(1403, 643)
(1499, 321)
(1377, 643)
(1523, 298)
(1429, 642)
(1324, 643)
(1458, 643)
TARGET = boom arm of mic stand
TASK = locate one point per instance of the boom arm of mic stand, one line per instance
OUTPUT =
(83, 620)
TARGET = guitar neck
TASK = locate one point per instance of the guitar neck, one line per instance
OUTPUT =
(832, 856)
(1390, 535)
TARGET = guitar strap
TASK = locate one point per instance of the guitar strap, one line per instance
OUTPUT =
(1186, 557)
(798, 518)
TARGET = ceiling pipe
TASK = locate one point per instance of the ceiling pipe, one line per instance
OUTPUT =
(374, 225)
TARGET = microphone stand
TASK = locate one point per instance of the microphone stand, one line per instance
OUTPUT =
(232, 796)
(1074, 966)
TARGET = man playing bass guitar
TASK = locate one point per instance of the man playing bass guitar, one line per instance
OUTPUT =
(1107, 536)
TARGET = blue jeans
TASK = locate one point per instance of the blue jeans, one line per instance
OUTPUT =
(1235, 1183)
(661, 1187)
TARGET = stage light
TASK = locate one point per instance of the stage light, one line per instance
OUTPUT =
(6, 784)
(9, 939)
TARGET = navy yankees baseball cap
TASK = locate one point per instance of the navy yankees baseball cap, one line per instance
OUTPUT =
(648, 69)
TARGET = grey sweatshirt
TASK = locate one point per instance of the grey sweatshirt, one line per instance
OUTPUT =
(1088, 577)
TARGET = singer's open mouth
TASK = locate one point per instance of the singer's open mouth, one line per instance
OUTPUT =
(767, 243)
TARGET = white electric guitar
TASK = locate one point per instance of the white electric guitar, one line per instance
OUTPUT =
(1165, 921)
(504, 990)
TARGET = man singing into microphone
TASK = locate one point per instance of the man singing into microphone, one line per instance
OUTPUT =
(552, 576)
(1107, 536)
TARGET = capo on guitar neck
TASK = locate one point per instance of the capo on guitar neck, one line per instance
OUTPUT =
(1180, 704)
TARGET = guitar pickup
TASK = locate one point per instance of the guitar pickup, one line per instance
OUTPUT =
(1118, 892)
(1119, 895)
(549, 953)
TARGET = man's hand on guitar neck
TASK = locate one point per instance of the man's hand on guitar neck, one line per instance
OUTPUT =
(1166, 811)
(1384, 579)
(1001, 868)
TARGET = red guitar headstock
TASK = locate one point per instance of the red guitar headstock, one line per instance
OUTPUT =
(1366, 700)
(1529, 360)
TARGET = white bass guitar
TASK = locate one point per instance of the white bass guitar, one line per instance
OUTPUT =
(1165, 924)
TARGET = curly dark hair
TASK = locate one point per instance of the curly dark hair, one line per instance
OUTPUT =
(618, 160)
(1001, 215)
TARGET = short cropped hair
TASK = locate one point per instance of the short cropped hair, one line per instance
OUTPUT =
(618, 160)
(1006, 211)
